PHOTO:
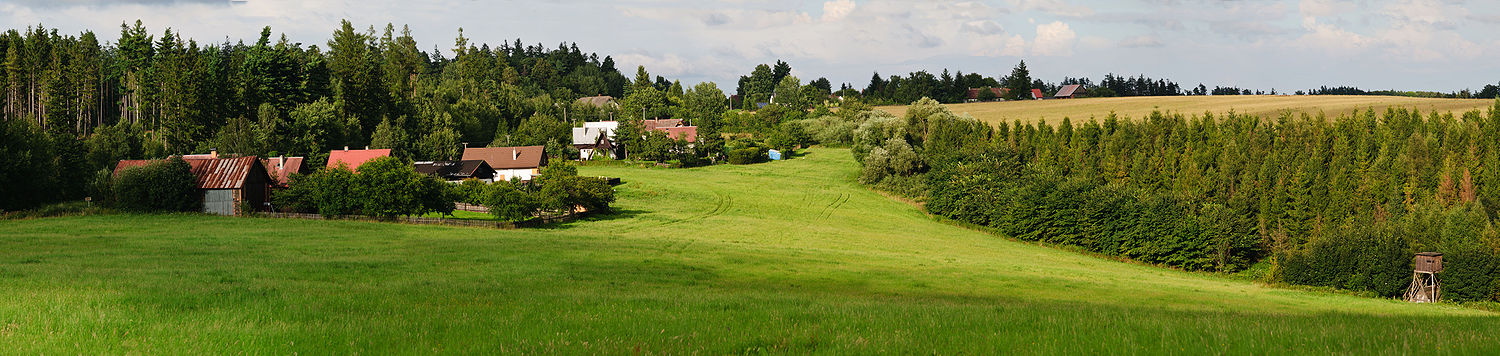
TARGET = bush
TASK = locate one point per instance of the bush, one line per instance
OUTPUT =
(509, 203)
(747, 151)
(388, 187)
(158, 187)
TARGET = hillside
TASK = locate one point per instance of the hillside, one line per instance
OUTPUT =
(787, 257)
(1136, 107)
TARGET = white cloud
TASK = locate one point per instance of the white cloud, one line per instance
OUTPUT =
(1053, 39)
(836, 10)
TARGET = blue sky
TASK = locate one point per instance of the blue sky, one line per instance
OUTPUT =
(1439, 45)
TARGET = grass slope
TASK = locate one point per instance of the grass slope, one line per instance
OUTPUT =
(786, 257)
(1080, 110)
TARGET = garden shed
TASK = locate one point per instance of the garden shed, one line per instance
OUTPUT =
(228, 184)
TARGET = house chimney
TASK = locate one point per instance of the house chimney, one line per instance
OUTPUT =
(346, 148)
(213, 153)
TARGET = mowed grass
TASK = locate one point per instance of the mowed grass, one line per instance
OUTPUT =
(785, 257)
(1268, 106)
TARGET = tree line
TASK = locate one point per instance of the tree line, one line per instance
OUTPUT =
(1342, 202)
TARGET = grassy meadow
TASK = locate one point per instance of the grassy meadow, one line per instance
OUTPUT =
(1080, 110)
(784, 257)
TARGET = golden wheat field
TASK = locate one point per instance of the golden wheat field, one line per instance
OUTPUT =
(1136, 107)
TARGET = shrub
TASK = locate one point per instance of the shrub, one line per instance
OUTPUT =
(388, 187)
(509, 203)
(746, 151)
(158, 187)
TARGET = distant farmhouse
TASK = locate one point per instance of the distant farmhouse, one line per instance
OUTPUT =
(456, 171)
(1069, 91)
(596, 140)
(673, 128)
(227, 184)
(973, 94)
(354, 158)
(1036, 94)
(281, 168)
(523, 163)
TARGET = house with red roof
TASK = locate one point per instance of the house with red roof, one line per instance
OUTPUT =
(354, 158)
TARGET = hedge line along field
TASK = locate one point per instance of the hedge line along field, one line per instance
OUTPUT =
(1080, 110)
(783, 257)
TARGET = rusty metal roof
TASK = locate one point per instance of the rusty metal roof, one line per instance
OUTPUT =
(211, 173)
(1067, 90)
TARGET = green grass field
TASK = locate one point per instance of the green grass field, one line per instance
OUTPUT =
(1080, 110)
(784, 257)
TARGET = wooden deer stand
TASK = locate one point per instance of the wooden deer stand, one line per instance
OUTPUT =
(1424, 283)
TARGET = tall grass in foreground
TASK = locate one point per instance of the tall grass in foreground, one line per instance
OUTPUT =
(786, 257)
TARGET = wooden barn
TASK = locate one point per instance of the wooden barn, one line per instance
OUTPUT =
(456, 171)
(1069, 91)
(228, 184)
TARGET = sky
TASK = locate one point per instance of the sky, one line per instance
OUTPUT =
(1437, 45)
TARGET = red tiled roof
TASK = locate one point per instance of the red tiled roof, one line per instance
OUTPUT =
(654, 124)
(1037, 94)
(508, 157)
(355, 158)
(689, 133)
(279, 168)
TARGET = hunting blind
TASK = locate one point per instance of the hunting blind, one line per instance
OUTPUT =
(1424, 283)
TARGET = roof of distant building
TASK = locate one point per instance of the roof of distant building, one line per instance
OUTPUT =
(508, 157)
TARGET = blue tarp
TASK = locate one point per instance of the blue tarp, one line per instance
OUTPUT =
(775, 155)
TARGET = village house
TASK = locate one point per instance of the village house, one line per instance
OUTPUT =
(281, 169)
(456, 171)
(596, 139)
(524, 163)
(354, 158)
(228, 184)
(1036, 94)
(673, 128)
(973, 94)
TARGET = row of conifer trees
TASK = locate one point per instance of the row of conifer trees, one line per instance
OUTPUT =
(1342, 202)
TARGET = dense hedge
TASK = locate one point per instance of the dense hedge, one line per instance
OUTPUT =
(158, 187)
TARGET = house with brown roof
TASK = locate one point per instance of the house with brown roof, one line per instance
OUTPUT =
(524, 163)
(229, 185)
(281, 169)
(973, 93)
(456, 171)
(354, 158)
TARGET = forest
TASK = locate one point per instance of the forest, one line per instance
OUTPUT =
(73, 105)
(1339, 202)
